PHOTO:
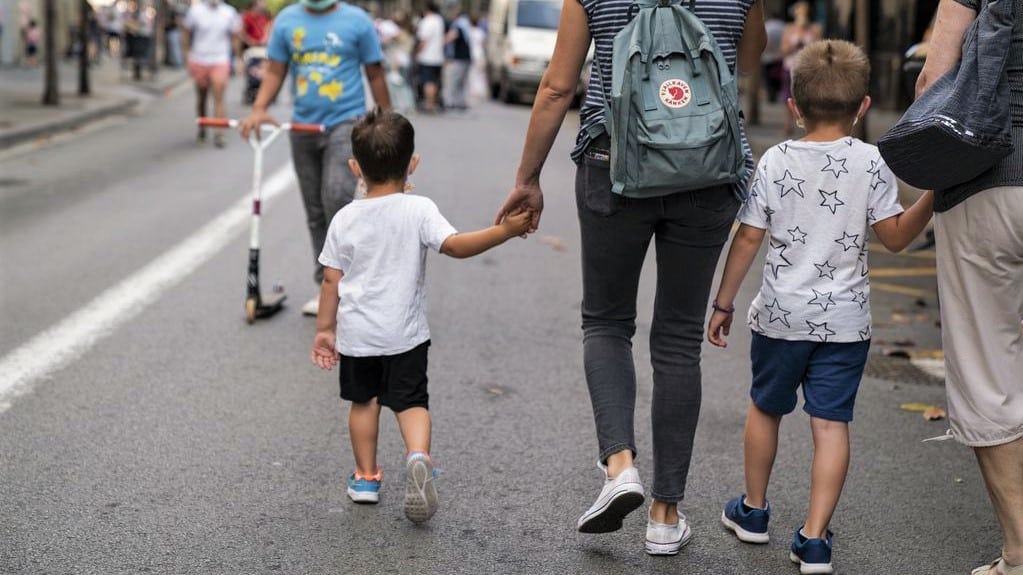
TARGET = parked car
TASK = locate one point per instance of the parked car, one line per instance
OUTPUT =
(520, 45)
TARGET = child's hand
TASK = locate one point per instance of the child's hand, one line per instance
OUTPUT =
(324, 354)
(718, 327)
(517, 224)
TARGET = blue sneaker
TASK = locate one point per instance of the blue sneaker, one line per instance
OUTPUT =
(813, 555)
(362, 489)
(749, 527)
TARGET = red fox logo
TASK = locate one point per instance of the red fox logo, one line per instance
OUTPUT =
(675, 93)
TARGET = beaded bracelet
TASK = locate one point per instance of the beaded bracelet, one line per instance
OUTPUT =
(729, 310)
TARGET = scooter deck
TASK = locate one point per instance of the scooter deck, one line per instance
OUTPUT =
(267, 305)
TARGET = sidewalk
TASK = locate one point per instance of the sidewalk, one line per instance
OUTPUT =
(23, 118)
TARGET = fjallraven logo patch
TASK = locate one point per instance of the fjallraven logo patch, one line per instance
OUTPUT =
(675, 93)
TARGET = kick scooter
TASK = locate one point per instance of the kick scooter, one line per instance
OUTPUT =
(257, 304)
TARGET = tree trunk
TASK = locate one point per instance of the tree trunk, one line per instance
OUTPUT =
(84, 89)
(51, 88)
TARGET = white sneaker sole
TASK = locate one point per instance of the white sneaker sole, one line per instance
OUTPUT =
(608, 516)
(363, 496)
(811, 568)
(669, 548)
(742, 534)
(421, 500)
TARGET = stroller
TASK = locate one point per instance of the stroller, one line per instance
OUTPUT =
(254, 59)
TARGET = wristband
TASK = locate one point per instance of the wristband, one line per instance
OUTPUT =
(729, 310)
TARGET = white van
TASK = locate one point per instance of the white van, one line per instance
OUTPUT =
(520, 45)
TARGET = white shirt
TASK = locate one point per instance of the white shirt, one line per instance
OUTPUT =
(816, 199)
(430, 32)
(380, 245)
(211, 26)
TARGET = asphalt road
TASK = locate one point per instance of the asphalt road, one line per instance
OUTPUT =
(184, 441)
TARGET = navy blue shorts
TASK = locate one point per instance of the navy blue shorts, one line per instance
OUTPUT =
(830, 374)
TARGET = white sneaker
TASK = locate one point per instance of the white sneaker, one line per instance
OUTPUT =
(662, 539)
(311, 307)
(620, 496)
(421, 499)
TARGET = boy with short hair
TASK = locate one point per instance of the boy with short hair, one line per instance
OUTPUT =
(815, 198)
(374, 262)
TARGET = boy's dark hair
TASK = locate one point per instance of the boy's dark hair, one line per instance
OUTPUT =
(829, 81)
(383, 143)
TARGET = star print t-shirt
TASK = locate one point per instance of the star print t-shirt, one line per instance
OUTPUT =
(325, 54)
(816, 199)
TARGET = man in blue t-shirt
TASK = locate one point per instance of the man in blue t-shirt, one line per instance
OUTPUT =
(325, 44)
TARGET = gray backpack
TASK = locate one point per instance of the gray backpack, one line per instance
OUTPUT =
(673, 117)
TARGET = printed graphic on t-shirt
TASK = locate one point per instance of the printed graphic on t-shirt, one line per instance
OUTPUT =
(816, 201)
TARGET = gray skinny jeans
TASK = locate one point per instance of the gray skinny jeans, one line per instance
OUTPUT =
(689, 229)
(326, 183)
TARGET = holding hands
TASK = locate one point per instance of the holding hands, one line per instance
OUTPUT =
(524, 198)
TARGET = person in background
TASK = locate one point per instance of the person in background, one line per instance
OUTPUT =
(255, 25)
(771, 61)
(397, 44)
(430, 54)
(209, 30)
(172, 35)
(978, 227)
(458, 52)
(31, 35)
(478, 89)
(327, 46)
(799, 33)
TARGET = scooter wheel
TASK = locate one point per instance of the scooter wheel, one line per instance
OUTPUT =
(250, 310)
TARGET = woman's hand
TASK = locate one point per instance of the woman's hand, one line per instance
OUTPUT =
(523, 198)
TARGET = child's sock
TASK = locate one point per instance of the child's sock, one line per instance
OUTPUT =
(748, 508)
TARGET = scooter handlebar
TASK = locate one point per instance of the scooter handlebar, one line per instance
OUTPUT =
(231, 123)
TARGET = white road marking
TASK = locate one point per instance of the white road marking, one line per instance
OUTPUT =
(68, 339)
(935, 367)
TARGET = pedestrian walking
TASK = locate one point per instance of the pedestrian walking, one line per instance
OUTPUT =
(172, 36)
(397, 43)
(797, 34)
(32, 35)
(771, 60)
(374, 286)
(256, 23)
(813, 198)
(978, 226)
(326, 45)
(458, 53)
(210, 31)
(430, 54)
(689, 229)
(478, 88)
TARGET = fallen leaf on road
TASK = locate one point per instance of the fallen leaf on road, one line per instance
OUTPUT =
(958, 479)
(915, 407)
(554, 242)
(934, 413)
(900, 353)
(900, 318)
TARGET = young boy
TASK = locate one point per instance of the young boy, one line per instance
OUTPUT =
(815, 198)
(374, 283)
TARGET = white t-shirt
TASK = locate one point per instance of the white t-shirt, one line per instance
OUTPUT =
(380, 245)
(816, 199)
(430, 32)
(211, 27)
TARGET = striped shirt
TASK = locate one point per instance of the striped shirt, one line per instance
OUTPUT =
(726, 20)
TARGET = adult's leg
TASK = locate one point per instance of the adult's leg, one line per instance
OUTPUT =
(337, 184)
(689, 238)
(363, 428)
(218, 85)
(307, 157)
(615, 239)
(1002, 468)
(760, 445)
(460, 78)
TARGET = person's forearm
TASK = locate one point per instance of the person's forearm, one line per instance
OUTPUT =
(272, 80)
(549, 111)
(469, 244)
(186, 42)
(945, 47)
(910, 223)
(326, 316)
(378, 87)
(740, 257)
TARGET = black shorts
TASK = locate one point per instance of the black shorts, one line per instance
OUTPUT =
(397, 381)
(429, 74)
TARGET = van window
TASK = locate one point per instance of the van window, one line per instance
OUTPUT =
(538, 14)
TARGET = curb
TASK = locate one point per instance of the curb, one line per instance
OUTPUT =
(22, 135)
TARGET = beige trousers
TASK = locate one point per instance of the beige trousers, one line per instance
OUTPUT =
(980, 284)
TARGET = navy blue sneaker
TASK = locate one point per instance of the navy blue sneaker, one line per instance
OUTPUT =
(813, 555)
(749, 526)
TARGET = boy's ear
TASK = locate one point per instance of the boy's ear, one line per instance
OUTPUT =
(791, 103)
(864, 106)
(413, 164)
(354, 167)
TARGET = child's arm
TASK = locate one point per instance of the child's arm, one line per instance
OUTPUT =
(324, 354)
(898, 231)
(468, 244)
(744, 249)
